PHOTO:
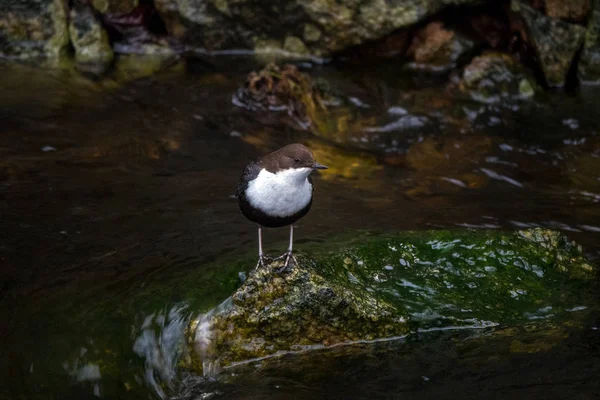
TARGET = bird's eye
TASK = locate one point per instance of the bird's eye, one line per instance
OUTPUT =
(297, 160)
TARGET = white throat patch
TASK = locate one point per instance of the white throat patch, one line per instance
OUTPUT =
(280, 194)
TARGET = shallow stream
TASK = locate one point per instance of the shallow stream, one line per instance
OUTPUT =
(119, 223)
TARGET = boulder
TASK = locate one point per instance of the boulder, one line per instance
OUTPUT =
(589, 64)
(88, 36)
(33, 28)
(275, 90)
(115, 6)
(571, 10)
(438, 48)
(554, 41)
(494, 77)
(314, 27)
(381, 286)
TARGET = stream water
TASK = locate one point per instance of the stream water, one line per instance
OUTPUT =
(119, 222)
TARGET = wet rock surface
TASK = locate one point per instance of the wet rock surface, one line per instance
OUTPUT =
(88, 36)
(555, 42)
(33, 28)
(316, 27)
(361, 291)
(573, 10)
(545, 35)
(438, 48)
(281, 90)
(589, 65)
(115, 6)
(292, 310)
(494, 77)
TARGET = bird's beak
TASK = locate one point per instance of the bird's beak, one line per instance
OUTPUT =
(316, 165)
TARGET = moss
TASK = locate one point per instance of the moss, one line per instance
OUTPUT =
(379, 286)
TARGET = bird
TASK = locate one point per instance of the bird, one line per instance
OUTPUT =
(276, 190)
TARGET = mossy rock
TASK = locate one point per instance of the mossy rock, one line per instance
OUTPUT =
(381, 286)
(115, 6)
(589, 65)
(88, 36)
(282, 94)
(31, 29)
(494, 77)
(554, 41)
(315, 27)
(438, 48)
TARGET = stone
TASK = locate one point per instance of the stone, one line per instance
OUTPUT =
(383, 286)
(115, 6)
(554, 41)
(275, 90)
(589, 64)
(311, 33)
(294, 45)
(571, 10)
(325, 27)
(88, 36)
(437, 48)
(494, 77)
(31, 28)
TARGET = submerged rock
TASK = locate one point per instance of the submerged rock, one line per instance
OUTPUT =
(375, 287)
(32, 28)
(554, 41)
(274, 312)
(494, 77)
(316, 27)
(281, 89)
(438, 48)
(88, 36)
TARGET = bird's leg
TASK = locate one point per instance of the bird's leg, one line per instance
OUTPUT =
(260, 250)
(288, 254)
(289, 250)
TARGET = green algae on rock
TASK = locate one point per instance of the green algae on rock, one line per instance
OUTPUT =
(555, 42)
(30, 29)
(381, 286)
(494, 77)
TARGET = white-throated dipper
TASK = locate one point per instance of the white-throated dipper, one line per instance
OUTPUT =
(275, 190)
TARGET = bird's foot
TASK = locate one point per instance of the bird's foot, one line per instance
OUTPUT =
(289, 256)
(263, 260)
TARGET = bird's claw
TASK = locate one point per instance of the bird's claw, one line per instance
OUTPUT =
(288, 256)
(264, 260)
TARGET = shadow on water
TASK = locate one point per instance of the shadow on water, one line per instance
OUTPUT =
(119, 225)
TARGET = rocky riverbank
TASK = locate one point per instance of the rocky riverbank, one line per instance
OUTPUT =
(557, 42)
